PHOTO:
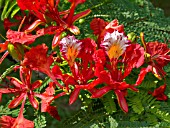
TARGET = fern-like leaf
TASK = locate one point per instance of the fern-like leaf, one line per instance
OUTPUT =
(40, 121)
(109, 103)
(10, 7)
(8, 71)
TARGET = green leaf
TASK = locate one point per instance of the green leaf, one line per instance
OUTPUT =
(11, 6)
(7, 2)
(8, 71)
(109, 103)
(14, 11)
(40, 121)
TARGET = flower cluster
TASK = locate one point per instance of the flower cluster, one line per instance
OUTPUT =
(95, 66)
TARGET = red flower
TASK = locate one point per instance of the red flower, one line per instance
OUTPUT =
(156, 56)
(158, 93)
(81, 71)
(45, 10)
(113, 69)
(19, 122)
(23, 88)
(37, 59)
(47, 97)
(9, 122)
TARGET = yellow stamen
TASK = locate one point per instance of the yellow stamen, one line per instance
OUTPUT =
(115, 51)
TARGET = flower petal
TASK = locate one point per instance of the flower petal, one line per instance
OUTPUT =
(15, 102)
(74, 95)
(100, 92)
(121, 100)
(36, 84)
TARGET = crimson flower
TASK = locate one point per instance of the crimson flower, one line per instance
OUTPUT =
(46, 10)
(37, 59)
(19, 122)
(81, 71)
(23, 88)
(113, 63)
(47, 97)
(158, 93)
(156, 56)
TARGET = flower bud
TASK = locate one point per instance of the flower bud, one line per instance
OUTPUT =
(132, 37)
(16, 51)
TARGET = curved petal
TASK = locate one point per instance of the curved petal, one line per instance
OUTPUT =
(142, 74)
(100, 92)
(121, 100)
(53, 112)
(15, 102)
(80, 15)
(74, 95)
(33, 100)
(17, 83)
(36, 84)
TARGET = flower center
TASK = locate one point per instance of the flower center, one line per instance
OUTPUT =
(71, 54)
(70, 48)
(114, 44)
(115, 51)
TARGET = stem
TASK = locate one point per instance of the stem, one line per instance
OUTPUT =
(4, 56)
(19, 28)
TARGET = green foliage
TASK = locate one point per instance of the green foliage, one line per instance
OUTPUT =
(8, 71)
(40, 121)
(137, 16)
(10, 8)
(4, 110)
(109, 103)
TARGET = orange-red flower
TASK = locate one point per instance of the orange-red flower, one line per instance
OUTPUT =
(19, 122)
(47, 11)
(157, 56)
(158, 93)
(37, 59)
(23, 88)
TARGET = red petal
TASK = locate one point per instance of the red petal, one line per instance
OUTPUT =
(114, 25)
(74, 95)
(3, 46)
(80, 15)
(142, 74)
(121, 100)
(74, 29)
(100, 92)
(159, 93)
(33, 101)
(34, 25)
(88, 47)
(17, 83)
(8, 90)
(15, 102)
(21, 4)
(57, 38)
(37, 59)
(97, 25)
(36, 84)
(6, 121)
(20, 37)
(53, 112)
